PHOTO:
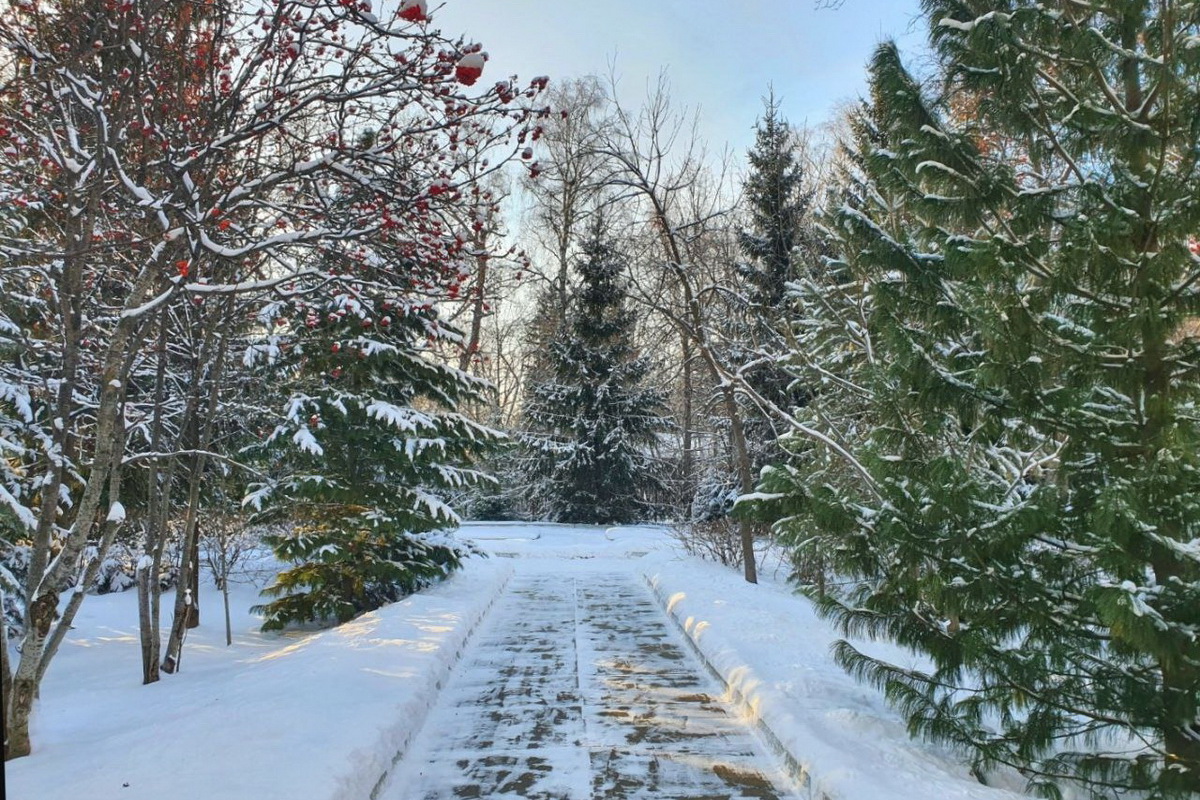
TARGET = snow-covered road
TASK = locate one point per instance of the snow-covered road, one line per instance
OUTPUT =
(577, 686)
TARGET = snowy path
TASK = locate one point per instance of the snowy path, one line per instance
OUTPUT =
(577, 688)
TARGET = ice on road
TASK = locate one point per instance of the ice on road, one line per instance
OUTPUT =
(578, 687)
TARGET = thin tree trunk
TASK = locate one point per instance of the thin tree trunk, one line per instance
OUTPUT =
(687, 467)
(477, 303)
(225, 592)
(158, 496)
(5, 669)
(193, 620)
(185, 594)
(741, 455)
(189, 568)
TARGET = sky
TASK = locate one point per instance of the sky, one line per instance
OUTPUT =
(720, 56)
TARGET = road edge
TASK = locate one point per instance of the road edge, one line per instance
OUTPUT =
(748, 692)
(431, 685)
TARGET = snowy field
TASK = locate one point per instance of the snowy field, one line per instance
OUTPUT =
(324, 715)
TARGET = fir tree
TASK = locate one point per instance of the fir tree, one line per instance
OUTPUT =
(369, 441)
(1023, 504)
(592, 424)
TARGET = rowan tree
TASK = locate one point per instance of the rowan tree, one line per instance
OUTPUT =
(166, 155)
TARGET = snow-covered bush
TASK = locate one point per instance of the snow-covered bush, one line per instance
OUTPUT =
(118, 570)
(714, 498)
(714, 540)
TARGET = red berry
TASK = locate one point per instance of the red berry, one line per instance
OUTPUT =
(469, 68)
(413, 10)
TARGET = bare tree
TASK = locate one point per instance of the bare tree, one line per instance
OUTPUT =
(656, 161)
(226, 543)
(564, 189)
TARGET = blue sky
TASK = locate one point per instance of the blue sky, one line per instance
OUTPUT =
(720, 55)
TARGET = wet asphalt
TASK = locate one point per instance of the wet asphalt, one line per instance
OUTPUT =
(577, 687)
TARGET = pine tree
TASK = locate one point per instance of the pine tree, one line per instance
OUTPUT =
(368, 441)
(592, 423)
(1022, 507)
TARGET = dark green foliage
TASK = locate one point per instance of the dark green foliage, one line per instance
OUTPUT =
(368, 446)
(779, 204)
(592, 424)
(781, 247)
(1014, 333)
(347, 565)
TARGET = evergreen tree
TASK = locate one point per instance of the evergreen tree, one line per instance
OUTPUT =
(831, 348)
(592, 424)
(1024, 506)
(781, 247)
(779, 203)
(368, 441)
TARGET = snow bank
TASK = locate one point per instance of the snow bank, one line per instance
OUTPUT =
(538, 540)
(837, 737)
(319, 716)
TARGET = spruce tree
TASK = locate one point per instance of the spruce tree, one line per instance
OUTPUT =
(592, 424)
(367, 447)
(780, 247)
(1024, 506)
(778, 201)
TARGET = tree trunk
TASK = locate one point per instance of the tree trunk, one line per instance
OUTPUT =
(225, 598)
(147, 629)
(109, 449)
(190, 561)
(16, 728)
(741, 455)
(193, 620)
(158, 501)
(185, 595)
(477, 303)
(687, 467)
(39, 619)
(6, 677)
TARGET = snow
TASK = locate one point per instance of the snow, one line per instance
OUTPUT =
(325, 715)
(305, 440)
(24, 515)
(773, 652)
(967, 27)
(116, 512)
(301, 715)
